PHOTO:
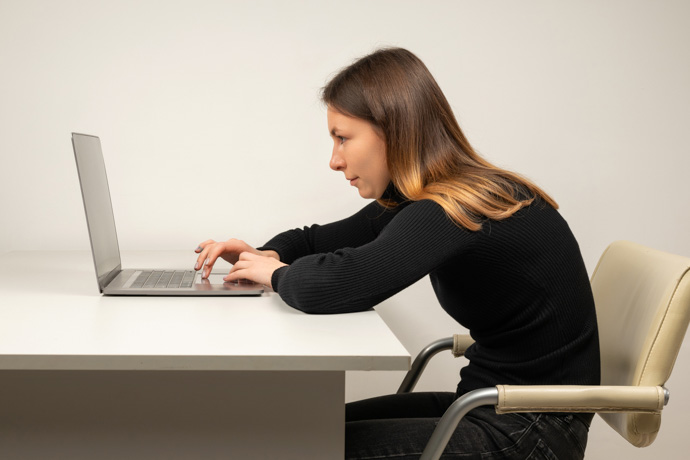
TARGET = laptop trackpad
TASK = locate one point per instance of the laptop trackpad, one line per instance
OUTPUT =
(215, 282)
(213, 278)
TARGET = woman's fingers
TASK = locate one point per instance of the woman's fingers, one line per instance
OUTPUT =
(210, 250)
(215, 251)
(241, 264)
(257, 268)
(204, 244)
(203, 250)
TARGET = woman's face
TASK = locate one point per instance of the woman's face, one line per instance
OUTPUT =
(359, 151)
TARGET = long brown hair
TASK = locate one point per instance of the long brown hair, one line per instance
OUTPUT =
(428, 156)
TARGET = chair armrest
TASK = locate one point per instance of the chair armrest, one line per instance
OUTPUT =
(461, 342)
(574, 398)
(545, 398)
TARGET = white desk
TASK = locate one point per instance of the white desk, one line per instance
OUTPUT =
(87, 376)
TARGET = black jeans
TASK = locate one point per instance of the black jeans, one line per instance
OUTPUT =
(399, 426)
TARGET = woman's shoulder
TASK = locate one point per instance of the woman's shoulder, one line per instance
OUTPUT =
(536, 214)
(426, 208)
(428, 216)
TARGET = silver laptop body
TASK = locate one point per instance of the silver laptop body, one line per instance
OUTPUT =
(112, 279)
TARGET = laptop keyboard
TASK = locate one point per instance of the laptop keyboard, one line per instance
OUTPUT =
(164, 279)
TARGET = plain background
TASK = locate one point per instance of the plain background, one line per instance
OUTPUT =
(211, 126)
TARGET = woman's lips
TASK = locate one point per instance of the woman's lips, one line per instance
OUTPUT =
(353, 181)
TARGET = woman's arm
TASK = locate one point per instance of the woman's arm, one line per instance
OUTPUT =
(354, 231)
(259, 264)
(418, 240)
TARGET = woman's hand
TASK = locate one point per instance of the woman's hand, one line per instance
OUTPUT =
(229, 250)
(253, 267)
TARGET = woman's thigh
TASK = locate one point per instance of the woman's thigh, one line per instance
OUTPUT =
(405, 405)
(481, 434)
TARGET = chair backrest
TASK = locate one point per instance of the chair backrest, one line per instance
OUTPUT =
(642, 298)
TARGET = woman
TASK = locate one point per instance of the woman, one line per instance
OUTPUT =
(502, 261)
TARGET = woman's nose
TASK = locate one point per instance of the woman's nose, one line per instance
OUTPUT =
(337, 163)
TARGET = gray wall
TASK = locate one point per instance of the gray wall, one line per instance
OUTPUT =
(213, 105)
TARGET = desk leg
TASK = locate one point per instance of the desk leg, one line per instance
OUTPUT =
(171, 415)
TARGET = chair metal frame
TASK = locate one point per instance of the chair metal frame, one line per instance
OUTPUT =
(484, 397)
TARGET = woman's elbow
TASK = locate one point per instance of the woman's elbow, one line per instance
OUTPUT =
(315, 307)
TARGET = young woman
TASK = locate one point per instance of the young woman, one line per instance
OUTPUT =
(501, 259)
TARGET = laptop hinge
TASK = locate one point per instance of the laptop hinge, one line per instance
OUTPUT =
(108, 278)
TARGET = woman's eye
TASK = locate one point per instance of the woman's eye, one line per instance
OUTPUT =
(342, 139)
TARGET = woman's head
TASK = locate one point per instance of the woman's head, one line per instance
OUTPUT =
(394, 91)
(427, 154)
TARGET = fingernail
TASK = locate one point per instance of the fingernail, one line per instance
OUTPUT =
(198, 248)
(196, 266)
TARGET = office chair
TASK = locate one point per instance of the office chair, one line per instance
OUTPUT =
(642, 299)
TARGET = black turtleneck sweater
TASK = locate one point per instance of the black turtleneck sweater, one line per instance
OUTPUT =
(519, 285)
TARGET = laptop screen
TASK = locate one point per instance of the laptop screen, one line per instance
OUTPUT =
(98, 207)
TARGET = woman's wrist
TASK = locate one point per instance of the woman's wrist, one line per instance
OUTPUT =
(271, 253)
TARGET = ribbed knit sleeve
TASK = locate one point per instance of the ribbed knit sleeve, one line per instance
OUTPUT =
(356, 230)
(348, 279)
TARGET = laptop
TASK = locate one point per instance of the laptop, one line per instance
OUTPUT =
(112, 279)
